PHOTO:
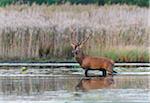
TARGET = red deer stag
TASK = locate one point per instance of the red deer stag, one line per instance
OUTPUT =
(89, 62)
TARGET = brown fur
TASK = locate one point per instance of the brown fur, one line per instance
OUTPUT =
(90, 62)
(97, 63)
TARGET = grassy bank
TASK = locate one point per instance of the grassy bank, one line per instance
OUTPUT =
(120, 32)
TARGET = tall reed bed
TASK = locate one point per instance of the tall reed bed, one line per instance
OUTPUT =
(119, 32)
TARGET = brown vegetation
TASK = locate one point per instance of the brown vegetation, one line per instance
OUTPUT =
(120, 32)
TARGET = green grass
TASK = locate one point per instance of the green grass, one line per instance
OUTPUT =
(126, 54)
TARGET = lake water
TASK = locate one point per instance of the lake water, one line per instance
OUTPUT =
(67, 85)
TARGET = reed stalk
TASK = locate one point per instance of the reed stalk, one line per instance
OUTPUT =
(28, 32)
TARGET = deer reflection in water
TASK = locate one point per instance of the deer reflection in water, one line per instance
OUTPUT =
(92, 83)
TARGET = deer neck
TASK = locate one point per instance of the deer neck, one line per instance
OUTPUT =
(80, 58)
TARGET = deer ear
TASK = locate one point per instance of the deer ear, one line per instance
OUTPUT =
(81, 46)
(72, 45)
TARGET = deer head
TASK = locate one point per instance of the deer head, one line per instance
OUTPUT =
(77, 45)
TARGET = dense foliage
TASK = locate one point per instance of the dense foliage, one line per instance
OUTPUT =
(143, 3)
(6, 2)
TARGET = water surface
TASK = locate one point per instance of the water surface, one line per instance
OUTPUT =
(69, 85)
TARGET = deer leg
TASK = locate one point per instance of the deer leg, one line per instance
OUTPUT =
(104, 72)
(110, 72)
(86, 72)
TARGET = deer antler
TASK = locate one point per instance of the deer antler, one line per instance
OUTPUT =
(85, 40)
(73, 35)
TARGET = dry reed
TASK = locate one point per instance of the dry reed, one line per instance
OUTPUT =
(43, 31)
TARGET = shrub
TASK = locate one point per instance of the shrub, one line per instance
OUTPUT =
(6, 2)
(143, 3)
